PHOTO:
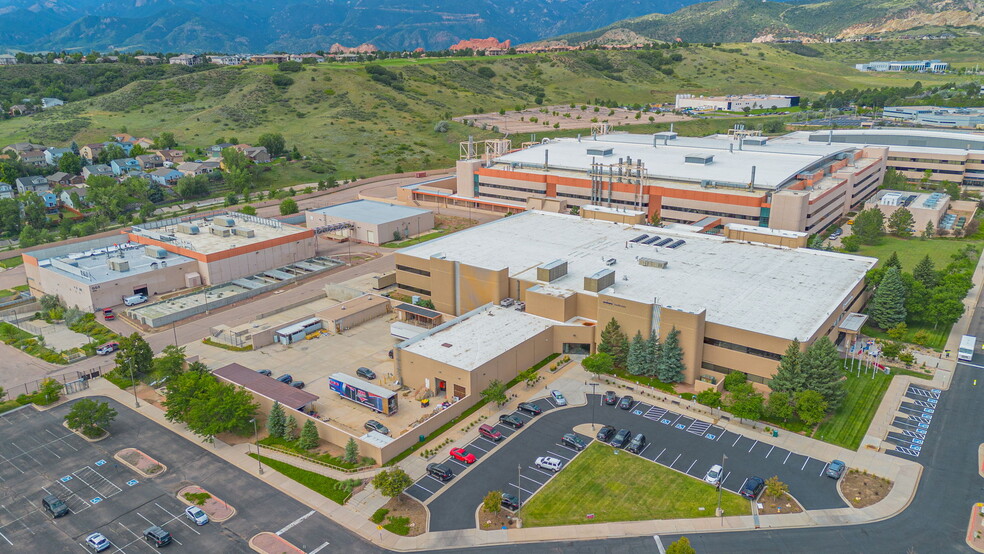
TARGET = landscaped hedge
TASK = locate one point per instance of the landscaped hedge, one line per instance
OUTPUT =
(28, 343)
(291, 446)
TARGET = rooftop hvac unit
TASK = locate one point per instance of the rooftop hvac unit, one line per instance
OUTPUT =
(600, 280)
(187, 228)
(596, 151)
(666, 135)
(551, 271)
(756, 141)
(224, 222)
(155, 252)
(118, 264)
(699, 159)
(653, 262)
(243, 232)
(221, 231)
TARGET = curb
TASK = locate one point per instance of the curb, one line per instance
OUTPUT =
(134, 468)
(106, 434)
(180, 496)
(290, 547)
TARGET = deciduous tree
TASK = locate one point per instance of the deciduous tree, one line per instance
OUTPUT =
(811, 407)
(135, 357)
(680, 546)
(288, 206)
(392, 482)
(598, 363)
(900, 222)
(746, 403)
(274, 143)
(89, 416)
(495, 393)
(492, 502)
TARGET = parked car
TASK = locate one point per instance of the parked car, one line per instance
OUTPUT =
(752, 488)
(297, 384)
(637, 445)
(548, 463)
(529, 408)
(373, 425)
(605, 434)
(440, 472)
(558, 398)
(97, 542)
(573, 441)
(714, 474)
(610, 398)
(54, 505)
(196, 514)
(626, 402)
(266, 372)
(366, 373)
(286, 379)
(108, 314)
(490, 433)
(510, 502)
(108, 348)
(835, 469)
(463, 455)
(621, 438)
(157, 536)
(511, 421)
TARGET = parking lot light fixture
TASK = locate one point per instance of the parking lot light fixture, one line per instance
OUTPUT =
(136, 401)
(519, 492)
(593, 386)
(724, 458)
(256, 439)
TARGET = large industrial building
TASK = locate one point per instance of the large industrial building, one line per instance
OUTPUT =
(735, 103)
(165, 256)
(919, 66)
(715, 181)
(369, 221)
(955, 156)
(737, 300)
(935, 116)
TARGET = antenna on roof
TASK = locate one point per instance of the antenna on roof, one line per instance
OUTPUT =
(671, 127)
(830, 136)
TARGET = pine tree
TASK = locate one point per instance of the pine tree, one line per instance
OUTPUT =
(789, 377)
(925, 272)
(822, 368)
(894, 261)
(351, 451)
(669, 366)
(888, 305)
(653, 349)
(309, 436)
(637, 355)
(276, 422)
(615, 343)
(900, 222)
(290, 429)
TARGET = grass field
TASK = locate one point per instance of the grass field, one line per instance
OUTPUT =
(325, 486)
(849, 424)
(911, 251)
(936, 337)
(623, 487)
(418, 240)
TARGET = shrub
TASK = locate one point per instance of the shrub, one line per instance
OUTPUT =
(379, 515)
(197, 498)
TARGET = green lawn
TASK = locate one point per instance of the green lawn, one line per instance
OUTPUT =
(11, 262)
(325, 486)
(912, 250)
(849, 424)
(936, 338)
(418, 240)
(623, 487)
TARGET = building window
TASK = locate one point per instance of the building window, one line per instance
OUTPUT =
(425, 292)
(721, 369)
(743, 349)
(505, 187)
(709, 212)
(409, 269)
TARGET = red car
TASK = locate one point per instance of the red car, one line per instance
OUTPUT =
(108, 314)
(462, 456)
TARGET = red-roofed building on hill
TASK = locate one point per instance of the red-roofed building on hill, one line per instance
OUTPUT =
(491, 46)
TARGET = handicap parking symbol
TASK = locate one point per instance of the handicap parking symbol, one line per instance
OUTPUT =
(101, 463)
(66, 479)
(680, 426)
(132, 482)
(709, 436)
(96, 500)
(636, 412)
(665, 421)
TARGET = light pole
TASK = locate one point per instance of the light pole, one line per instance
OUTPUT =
(136, 401)
(592, 385)
(257, 440)
(519, 492)
(724, 457)
(173, 330)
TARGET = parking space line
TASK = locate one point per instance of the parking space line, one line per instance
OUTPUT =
(660, 454)
(787, 457)
(549, 400)
(292, 524)
(179, 518)
(752, 446)
(62, 440)
(824, 468)
(521, 488)
(691, 466)
(477, 448)
(6, 539)
(719, 436)
(521, 477)
(417, 484)
(538, 470)
(743, 483)
(26, 453)
(633, 406)
(319, 549)
(456, 462)
(676, 420)
(770, 450)
(45, 446)
(558, 455)
(644, 448)
(436, 480)
(675, 460)
(736, 440)
(804, 463)
(725, 478)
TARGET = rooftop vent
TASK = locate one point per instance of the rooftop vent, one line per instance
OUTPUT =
(600, 280)
(187, 228)
(699, 159)
(596, 151)
(155, 252)
(118, 264)
(666, 135)
(224, 222)
(757, 141)
(243, 232)
(652, 262)
(221, 231)
(551, 271)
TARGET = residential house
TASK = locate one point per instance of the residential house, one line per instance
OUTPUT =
(166, 176)
(50, 201)
(60, 178)
(79, 192)
(124, 166)
(150, 161)
(91, 151)
(216, 149)
(144, 143)
(7, 59)
(34, 183)
(147, 60)
(19, 147)
(122, 137)
(20, 109)
(53, 154)
(33, 157)
(197, 168)
(172, 157)
(269, 58)
(51, 103)
(103, 170)
(186, 59)
(224, 60)
(126, 146)
(302, 57)
(6, 191)
(256, 154)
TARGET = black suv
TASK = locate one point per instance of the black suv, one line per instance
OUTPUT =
(610, 398)
(606, 433)
(621, 438)
(510, 502)
(266, 372)
(365, 373)
(440, 471)
(285, 379)
(573, 441)
(529, 408)
(752, 488)
(637, 445)
(157, 536)
(511, 421)
(54, 506)
(626, 402)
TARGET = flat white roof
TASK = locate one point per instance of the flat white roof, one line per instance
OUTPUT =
(370, 211)
(473, 339)
(766, 230)
(774, 164)
(777, 291)
(960, 142)
(207, 243)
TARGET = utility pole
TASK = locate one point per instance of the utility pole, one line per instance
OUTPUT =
(519, 492)
(592, 385)
(257, 441)
(724, 457)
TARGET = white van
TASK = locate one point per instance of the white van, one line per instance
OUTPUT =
(135, 299)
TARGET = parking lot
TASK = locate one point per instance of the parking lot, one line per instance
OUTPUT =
(913, 420)
(675, 440)
(38, 456)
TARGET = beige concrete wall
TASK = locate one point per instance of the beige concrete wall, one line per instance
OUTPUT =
(765, 237)
(249, 263)
(94, 297)
(632, 316)
(620, 217)
(789, 209)
(551, 306)
(691, 328)
(465, 177)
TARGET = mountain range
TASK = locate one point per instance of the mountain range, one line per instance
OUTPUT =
(298, 25)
